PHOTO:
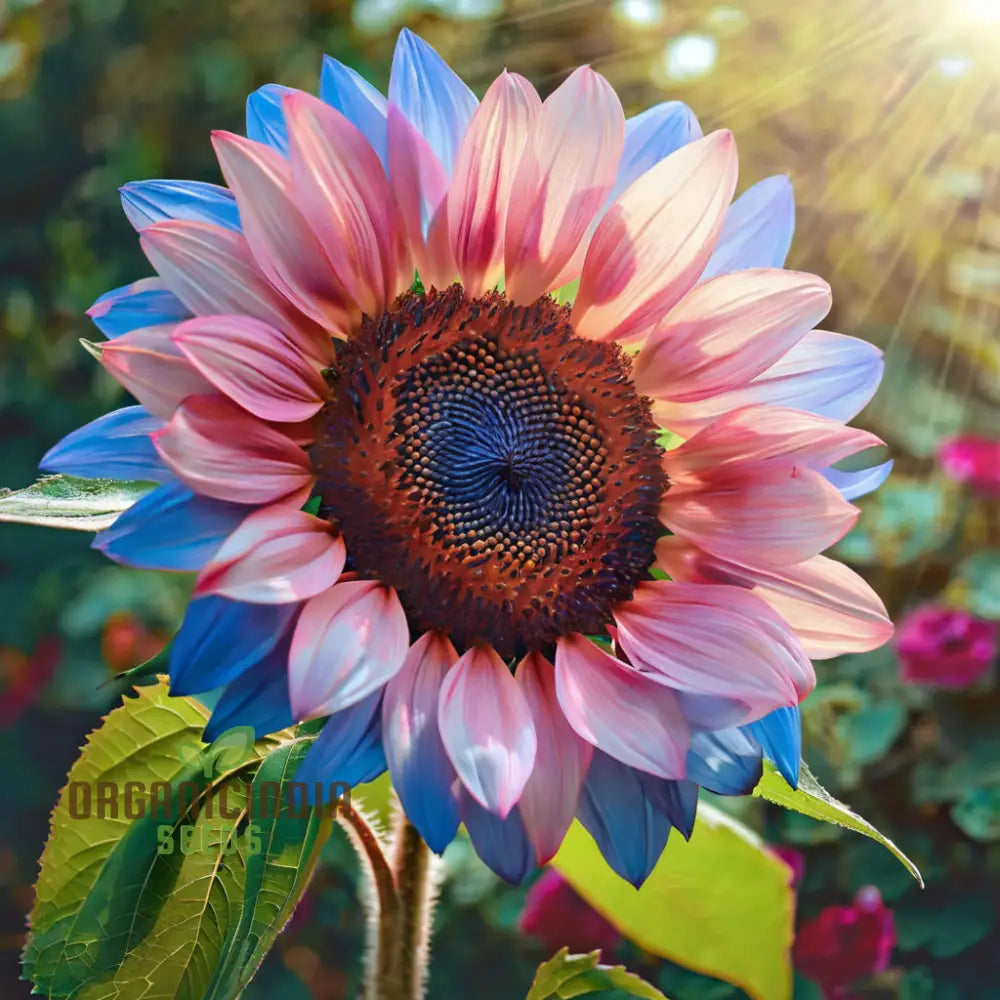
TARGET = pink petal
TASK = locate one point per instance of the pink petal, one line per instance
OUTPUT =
(621, 711)
(348, 642)
(254, 364)
(342, 190)
(759, 513)
(419, 184)
(221, 451)
(548, 802)
(655, 240)
(487, 729)
(763, 433)
(147, 363)
(211, 270)
(725, 332)
(276, 556)
(714, 640)
(569, 165)
(281, 240)
(829, 607)
(484, 172)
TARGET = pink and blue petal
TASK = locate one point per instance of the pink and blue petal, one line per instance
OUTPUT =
(132, 307)
(149, 202)
(115, 446)
(220, 640)
(727, 762)
(501, 843)
(758, 229)
(358, 101)
(170, 528)
(652, 136)
(348, 749)
(830, 374)
(257, 698)
(780, 737)
(431, 95)
(265, 118)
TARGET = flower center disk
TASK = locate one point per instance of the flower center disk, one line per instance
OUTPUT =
(497, 470)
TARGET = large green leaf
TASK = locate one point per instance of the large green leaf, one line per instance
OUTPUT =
(183, 902)
(564, 976)
(68, 502)
(812, 799)
(720, 903)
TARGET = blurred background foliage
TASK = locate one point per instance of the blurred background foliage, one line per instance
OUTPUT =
(887, 117)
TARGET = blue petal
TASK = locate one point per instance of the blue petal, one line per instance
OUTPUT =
(220, 639)
(115, 446)
(348, 749)
(134, 306)
(431, 95)
(170, 528)
(861, 482)
(265, 119)
(727, 762)
(501, 843)
(146, 202)
(758, 229)
(358, 101)
(258, 698)
(652, 136)
(780, 736)
(625, 811)
(826, 373)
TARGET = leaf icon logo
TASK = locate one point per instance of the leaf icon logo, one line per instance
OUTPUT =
(230, 750)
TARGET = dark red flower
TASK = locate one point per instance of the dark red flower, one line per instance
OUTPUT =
(846, 943)
(22, 676)
(946, 647)
(126, 642)
(557, 916)
(973, 460)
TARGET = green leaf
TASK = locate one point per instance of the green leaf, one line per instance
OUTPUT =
(812, 799)
(977, 813)
(719, 904)
(156, 664)
(976, 585)
(565, 975)
(68, 502)
(182, 901)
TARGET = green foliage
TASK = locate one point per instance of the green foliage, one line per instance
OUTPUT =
(976, 584)
(904, 520)
(564, 976)
(721, 901)
(186, 898)
(69, 502)
(813, 800)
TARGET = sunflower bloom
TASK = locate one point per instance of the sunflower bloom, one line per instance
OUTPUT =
(441, 512)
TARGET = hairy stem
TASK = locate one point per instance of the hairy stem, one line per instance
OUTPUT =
(412, 868)
(400, 895)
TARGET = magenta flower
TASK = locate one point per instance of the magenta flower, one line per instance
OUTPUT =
(946, 647)
(846, 943)
(555, 914)
(794, 859)
(432, 510)
(973, 460)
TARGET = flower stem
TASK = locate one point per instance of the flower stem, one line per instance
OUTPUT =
(411, 865)
(399, 902)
